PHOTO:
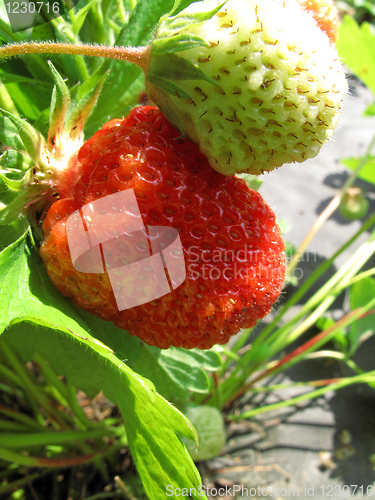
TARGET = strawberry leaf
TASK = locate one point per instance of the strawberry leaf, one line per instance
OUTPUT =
(175, 372)
(64, 340)
(367, 172)
(6, 77)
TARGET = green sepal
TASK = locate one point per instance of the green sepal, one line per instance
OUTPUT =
(16, 185)
(178, 43)
(32, 140)
(170, 25)
(252, 181)
(168, 86)
(83, 105)
(59, 104)
(165, 104)
(174, 67)
(174, 8)
(14, 210)
(14, 161)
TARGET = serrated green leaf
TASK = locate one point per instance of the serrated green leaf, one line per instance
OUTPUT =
(12, 232)
(174, 371)
(26, 295)
(367, 172)
(178, 43)
(361, 293)
(150, 421)
(356, 46)
(28, 99)
(12, 77)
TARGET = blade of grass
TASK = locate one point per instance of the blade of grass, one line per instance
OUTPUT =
(359, 379)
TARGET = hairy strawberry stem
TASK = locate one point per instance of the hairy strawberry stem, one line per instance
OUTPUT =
(136, 55)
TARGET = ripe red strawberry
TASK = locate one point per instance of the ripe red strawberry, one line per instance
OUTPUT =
(325, 14)
(233, 251)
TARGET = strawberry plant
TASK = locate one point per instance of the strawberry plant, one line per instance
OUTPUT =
(75, 137)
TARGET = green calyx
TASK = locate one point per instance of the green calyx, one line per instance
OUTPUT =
(31, 166)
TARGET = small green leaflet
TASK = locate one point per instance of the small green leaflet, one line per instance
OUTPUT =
(356, 46)
(209, 423)
(367, 172)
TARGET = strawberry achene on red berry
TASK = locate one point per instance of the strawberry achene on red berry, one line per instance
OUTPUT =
(233, 251)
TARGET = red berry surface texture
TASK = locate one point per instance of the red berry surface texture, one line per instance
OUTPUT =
(232, 248)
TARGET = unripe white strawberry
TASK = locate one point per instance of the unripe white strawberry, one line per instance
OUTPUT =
(255, 83)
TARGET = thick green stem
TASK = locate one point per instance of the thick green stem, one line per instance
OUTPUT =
(136, 55)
